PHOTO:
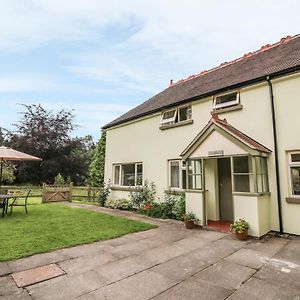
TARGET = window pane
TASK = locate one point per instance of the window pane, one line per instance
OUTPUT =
(258, 165)
(128, 174)
(169, 114)
(195, 166)
(295, 157)
(117, 175)
(184, 179)
(139, 174)
(295, 174)
(242, 183)
(241, 164)
(185, 113)
(260, 187)
(226, 98)
(174, 169)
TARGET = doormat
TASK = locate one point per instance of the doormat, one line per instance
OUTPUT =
(36, 275)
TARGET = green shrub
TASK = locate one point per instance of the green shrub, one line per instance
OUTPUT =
(144, 195)
(179, 207)
(104, 194)
(59, 179)
(123, 203)
(168, 207)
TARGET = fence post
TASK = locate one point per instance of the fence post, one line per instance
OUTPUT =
(89, 193)
(44, 193)
(70, 191)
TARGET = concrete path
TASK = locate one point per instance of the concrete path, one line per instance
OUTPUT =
(169, 262)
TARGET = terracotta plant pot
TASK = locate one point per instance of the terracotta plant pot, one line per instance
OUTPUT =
(189, 224)
(242, 236)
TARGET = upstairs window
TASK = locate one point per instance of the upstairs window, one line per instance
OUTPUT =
(294, 166)
(128, 174)
(225, 100)
(176, 115)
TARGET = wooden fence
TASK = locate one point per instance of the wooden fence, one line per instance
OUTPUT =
(54, 193)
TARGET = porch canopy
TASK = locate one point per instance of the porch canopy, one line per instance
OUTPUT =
(218, 139)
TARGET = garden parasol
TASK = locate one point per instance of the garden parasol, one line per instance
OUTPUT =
(7, 153)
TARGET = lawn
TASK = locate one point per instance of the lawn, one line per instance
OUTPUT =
(52, 226)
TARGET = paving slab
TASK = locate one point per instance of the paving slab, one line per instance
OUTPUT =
(180, 268)
(69, 287)
(191, 243)
(194, 290)
(269, 246)
(163, 253)
(225, 274)
(124, 268)
(210, 235)
(249, 258)
(4, 268)
(256, 289)
(86, 263)
(19, 295)
(7, 286)
(32, 276)
(280, 272)
(144, 285)
(37, 261)
(290, 252)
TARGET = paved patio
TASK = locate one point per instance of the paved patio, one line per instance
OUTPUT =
(169, 262)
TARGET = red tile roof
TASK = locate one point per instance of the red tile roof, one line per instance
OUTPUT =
(271, 60)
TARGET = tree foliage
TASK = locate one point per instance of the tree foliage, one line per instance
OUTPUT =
(47, 135)
(97, 165)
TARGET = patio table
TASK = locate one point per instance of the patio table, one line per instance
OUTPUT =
(6, 197)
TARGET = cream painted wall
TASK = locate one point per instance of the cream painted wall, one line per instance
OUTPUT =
(194, 204)
(143, 141)
(287, 106)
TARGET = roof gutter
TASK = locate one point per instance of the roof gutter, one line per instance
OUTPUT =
(274, 125)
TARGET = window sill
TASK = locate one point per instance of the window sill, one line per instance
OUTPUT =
(293, 200)
(251, 194)
(194, 191)
(174, 192)
(126, 188)
(187, 122)
(227, 109)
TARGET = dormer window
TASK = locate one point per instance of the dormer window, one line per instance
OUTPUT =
(176, 115)
(226, 100)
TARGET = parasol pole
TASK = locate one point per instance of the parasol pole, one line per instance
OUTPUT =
(1, 172)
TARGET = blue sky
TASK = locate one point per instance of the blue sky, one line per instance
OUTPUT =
(102, 58)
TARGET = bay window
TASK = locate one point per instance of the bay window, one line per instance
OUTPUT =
(194, 173)
(130, 174)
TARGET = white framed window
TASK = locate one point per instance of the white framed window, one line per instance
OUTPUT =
(262, 182)
(243, 176)
(225, 100)
(169, 117)
(195, 174)
(176, 115)
(294, 172)
(177, 174)
(130, 174)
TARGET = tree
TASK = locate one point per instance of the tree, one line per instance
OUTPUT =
(45, 134)
(98, 162)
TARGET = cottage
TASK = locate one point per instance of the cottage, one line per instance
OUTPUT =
(228, 137)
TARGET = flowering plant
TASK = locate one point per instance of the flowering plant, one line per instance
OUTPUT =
(190, 217)
(239, 226)
(149, 206)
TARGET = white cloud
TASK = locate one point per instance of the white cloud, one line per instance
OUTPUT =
(26, 82)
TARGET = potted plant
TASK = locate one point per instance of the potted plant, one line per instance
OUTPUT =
(189, 220)
(240, 228)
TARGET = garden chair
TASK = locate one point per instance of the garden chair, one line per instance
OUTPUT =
(3, 201)
(17, 203)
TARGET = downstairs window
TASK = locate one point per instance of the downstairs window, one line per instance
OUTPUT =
(128, 174)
